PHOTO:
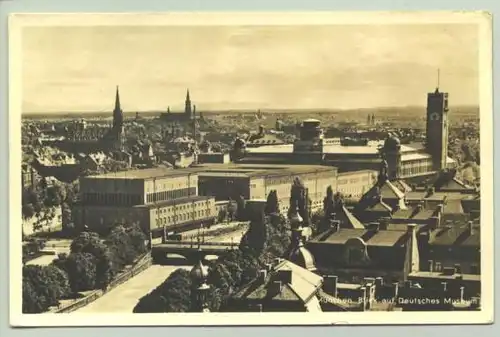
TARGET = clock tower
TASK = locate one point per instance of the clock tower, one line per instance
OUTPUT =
(437, 128)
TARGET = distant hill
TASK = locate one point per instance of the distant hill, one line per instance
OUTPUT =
(407, 111)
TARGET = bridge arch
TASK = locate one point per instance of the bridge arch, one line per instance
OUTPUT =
(192, 252)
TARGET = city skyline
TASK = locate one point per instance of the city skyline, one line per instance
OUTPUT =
(246, 67)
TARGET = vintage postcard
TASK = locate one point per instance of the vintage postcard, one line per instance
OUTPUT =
(251, 168)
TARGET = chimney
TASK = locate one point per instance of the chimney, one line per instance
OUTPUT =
(470, 228)
(285, 276)
(330, 284)
(277, 261)
(362, 298)
(256, 307)
(269, 267)
(439, 209)
(448, 271)
(379, 281)
(373, 226)
(434, 222)
(335, 225)
(431, 265)
(419, 208)
(411, 228)
(395, 287)
(262, 276)
(431, 191)
(276, 287)
(368, 280)
(384, 223)
(445, 286)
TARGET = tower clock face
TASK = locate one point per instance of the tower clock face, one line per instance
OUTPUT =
(434, 116)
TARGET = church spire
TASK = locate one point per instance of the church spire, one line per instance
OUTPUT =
(188, 107)
(117, 112)
(117, 99)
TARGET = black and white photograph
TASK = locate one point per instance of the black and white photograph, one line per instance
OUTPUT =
(251, 169)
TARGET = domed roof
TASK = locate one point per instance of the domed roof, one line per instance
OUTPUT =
(303, 257)
(392, 143)
(199, 273)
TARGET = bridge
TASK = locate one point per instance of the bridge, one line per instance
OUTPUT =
(190, 250)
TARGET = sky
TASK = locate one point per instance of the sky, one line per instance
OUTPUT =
(77, 69)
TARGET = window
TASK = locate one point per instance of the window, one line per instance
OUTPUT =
(437, 267)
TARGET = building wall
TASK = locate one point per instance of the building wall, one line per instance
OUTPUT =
(315, 181)
(129, 192)
(101, 218)
(415, 167)
(183, 213)
(224, 187)
(169, 188)
(215, 158)
(355, 184)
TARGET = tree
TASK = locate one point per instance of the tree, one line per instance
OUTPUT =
(67, 219)
(272, 203)
(240, 209)
(173, 295)
(81, 270)
(254, 240)
(137, 239)
(42, 288)
(88, 242)
(121, 249)
(231, 210)
(28, 211)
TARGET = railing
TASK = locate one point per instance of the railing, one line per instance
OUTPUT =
(139, 266)
(198, 244)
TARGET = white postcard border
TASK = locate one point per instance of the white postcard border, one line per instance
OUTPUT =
(482, 19)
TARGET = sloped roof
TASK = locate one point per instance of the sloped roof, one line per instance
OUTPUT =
(388, 190)
(303, 286)
(348, 220)
(456, 236)
(386, 238)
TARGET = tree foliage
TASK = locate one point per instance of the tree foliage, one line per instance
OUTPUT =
(81, 269)
(90, 243)
(173, 295)
(43, 287)
(272, 203)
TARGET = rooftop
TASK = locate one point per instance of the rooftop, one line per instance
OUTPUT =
(258, 170)
(149, 173)
(386, 238)
(303, 284)
(179, 201)
(428, 274)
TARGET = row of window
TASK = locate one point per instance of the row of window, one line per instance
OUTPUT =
(170, 195)
(416, 167)
(112, 199)
(179, 208)
(168, 220)
(438, 268)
